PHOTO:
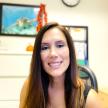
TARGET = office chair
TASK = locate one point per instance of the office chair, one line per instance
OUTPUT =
(88, 76)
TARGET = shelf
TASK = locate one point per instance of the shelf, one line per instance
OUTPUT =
(6, 52)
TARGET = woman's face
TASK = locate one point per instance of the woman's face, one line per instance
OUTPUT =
(54, 52)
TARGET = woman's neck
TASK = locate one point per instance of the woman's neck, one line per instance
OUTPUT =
(57, 82)
(56, 93)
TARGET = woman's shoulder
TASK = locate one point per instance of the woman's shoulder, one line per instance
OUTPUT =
(23, 93)
(90, 96)
(24, 87)
(93, 100)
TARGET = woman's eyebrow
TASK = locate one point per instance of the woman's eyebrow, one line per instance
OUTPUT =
(60, 41)
(44, 43)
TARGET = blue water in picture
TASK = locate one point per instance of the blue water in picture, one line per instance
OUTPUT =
(19, 20)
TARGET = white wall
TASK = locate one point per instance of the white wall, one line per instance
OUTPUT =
(92, 13)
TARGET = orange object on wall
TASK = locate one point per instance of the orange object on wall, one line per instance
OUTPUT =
(41, 17)
(29, 47)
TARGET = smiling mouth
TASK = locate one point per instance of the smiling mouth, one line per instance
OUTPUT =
(55, 65)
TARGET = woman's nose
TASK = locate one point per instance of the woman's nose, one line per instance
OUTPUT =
(53, 51)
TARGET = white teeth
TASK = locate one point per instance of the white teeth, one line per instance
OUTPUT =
(55, 64)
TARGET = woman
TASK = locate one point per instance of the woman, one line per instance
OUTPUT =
(54, 81)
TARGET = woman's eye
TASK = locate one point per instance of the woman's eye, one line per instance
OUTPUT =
(44, 47)
(60, 45)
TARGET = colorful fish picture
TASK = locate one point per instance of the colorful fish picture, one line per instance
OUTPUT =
(19, 19)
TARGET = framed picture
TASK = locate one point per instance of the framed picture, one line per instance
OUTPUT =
(80, 37)
(18, 20)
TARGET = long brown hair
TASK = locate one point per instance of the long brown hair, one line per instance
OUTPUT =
(37, 95)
